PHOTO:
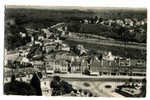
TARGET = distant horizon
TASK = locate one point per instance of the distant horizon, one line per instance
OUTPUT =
(83, 8)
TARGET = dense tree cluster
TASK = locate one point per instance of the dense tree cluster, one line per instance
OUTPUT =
(12, 37)
(35, 83)
(18, 88)
(133, 34)
(60, 87)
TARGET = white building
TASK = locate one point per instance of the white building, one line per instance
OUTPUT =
(5, 57)
(109, 57)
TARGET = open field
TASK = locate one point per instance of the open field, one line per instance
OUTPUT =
(134, 52)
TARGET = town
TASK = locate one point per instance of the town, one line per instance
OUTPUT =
(53, 52)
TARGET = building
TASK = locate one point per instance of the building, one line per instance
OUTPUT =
(124, 62)
(46, 32)
(50, 66)
(65, 55)
(49, 48)
(45, 86)
(120, 22)
(76, 66)
(128, 22)
(84, 65)
(138, 67)
(65, 47)
(61, 66)
(40, 38)
(95, 64)
(22, 62)
(80, 50)
(5, 59)
(108, 57)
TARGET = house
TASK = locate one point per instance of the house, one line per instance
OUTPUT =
(46, 32)
(50, 66)
(25, 60)
(112, 22)
(58, 40)
(95, 64)
(22, 62)
(108, 57)
(45, 87)
(138, 67)
(23, 35)
(40, 38)
(56, 65)
(23, 53)
(124, 61)
(120, 22)
(64, 66)
(38, 64)
(81, 50)
(86, 21)
(76, 66)
(65, 47)
(37, 43)
(140, 62)
(5, 57)
(49, 47)
(61, 66)
(128, 22)
(141, 22)
(84, 65)
(65, 55)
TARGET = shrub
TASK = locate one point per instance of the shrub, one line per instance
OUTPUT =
(18, 88)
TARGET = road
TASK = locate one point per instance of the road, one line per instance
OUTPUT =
(78, 77)
(97, 88)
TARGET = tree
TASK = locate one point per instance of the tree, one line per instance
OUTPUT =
(60, 87)
(86, 71)
(35, 83)
(66, 86)
(18, 88)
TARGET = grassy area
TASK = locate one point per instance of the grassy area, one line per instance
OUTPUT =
(118, 51)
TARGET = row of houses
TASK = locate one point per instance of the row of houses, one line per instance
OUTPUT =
(103, 67)
(64, 62)
(122, 22)
(55, 46)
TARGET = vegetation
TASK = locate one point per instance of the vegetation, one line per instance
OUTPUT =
(18, 88)
(86, 71)
(99, 49)
(86, 84)
(36, 18)
(60, 87)
(35, 83)
(12, 37)
(116, 32)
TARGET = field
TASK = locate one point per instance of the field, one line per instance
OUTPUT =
(133, 53)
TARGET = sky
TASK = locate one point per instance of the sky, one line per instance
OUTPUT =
(74, 7)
